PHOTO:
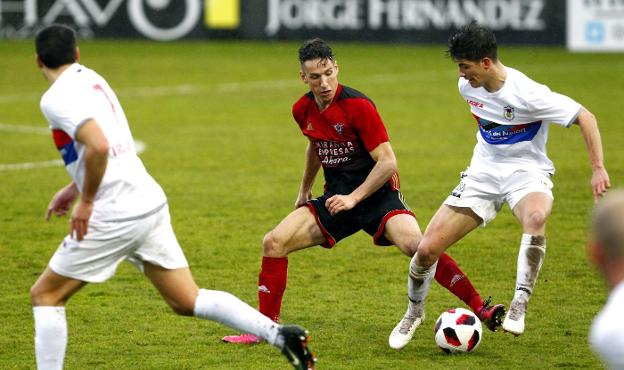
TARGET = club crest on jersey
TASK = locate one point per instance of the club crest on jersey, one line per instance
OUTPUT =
(509, 113)
(309, 127)
(339, 127)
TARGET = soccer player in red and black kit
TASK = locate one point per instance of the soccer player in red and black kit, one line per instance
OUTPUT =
(349, 140)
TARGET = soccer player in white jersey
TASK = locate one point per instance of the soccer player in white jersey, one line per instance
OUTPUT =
(509, 165)
(121, 214)
(606, 250)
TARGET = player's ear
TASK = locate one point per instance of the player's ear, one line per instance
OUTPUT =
(77, 54)
(38, 61)
(303, 76)
(486, 63)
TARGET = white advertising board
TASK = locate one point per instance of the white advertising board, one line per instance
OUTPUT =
(595, 25)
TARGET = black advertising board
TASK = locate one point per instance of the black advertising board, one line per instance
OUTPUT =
(412, 21)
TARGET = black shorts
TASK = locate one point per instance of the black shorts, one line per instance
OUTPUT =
(369, 215)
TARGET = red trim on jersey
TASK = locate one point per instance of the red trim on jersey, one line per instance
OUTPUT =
(60, 138)
(379, 234)
(330, 239)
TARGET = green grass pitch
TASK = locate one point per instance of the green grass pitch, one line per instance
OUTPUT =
(215, 117)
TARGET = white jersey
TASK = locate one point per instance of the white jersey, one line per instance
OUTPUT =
(513, 122)
(607, 331)
(127, 191)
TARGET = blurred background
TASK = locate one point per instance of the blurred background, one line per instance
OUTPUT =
(578, 24)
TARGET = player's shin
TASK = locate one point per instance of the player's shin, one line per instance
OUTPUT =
(227, 309)
(450, 276)
(271, 286)
(530, 259)
(418, 282)
(50, 337)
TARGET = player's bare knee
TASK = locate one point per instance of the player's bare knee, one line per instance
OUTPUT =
(273, 245)
(40, 297)
(427, 254)
(535, 220)
(408, 246)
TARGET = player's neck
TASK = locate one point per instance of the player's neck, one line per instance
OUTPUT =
(52, 74)
(498, 76)
(321, 104)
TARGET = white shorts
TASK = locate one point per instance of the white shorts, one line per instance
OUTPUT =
(106, 244)
(485, 193)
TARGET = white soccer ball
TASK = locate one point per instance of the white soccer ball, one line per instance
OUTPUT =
(458, 330)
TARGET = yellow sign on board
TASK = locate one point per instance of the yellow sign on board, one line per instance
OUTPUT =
(222, 14)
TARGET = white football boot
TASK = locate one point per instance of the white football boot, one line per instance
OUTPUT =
(404, 330)
(514, 321)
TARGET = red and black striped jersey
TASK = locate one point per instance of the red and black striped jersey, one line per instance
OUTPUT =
(342, 136)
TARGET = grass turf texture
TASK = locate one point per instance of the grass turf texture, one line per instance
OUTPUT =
(221, 141)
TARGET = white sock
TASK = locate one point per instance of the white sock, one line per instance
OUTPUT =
(229, 310)
(530, 260)
(418, 282)
(50, 337)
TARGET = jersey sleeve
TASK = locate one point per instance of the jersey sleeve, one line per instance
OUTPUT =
(298, 110)
(370, 127)
(552, 107)
(66, 112)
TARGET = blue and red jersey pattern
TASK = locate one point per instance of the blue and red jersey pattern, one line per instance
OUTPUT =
(65, 145)
(496, 134)
(342, 136)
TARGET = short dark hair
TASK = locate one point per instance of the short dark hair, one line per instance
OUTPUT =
(315, 49)
(473, 42)
(56, 45)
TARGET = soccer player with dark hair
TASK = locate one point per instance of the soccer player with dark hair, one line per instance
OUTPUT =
(348, 139)
(513, 114)
(121, 214)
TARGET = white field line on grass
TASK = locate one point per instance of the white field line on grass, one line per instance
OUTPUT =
(26, 129)
(175, 90)
(224, 87)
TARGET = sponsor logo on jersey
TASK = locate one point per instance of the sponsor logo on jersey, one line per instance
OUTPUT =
(494, 133)
(335, 153)
(475, 103)
(65, 145)
(309, 127)
(509, 113)
(339, 127)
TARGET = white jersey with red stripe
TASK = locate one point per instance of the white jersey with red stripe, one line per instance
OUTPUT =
(513, 122)
(127, 191)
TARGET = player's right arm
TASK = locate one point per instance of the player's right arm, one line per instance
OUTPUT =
(96, 158)
(589, 129)
(311, 168)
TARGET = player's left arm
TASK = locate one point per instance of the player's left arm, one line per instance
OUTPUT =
(385, 167)
(589, 129)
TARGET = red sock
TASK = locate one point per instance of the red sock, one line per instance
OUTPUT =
(452, 278)
(271, 286)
